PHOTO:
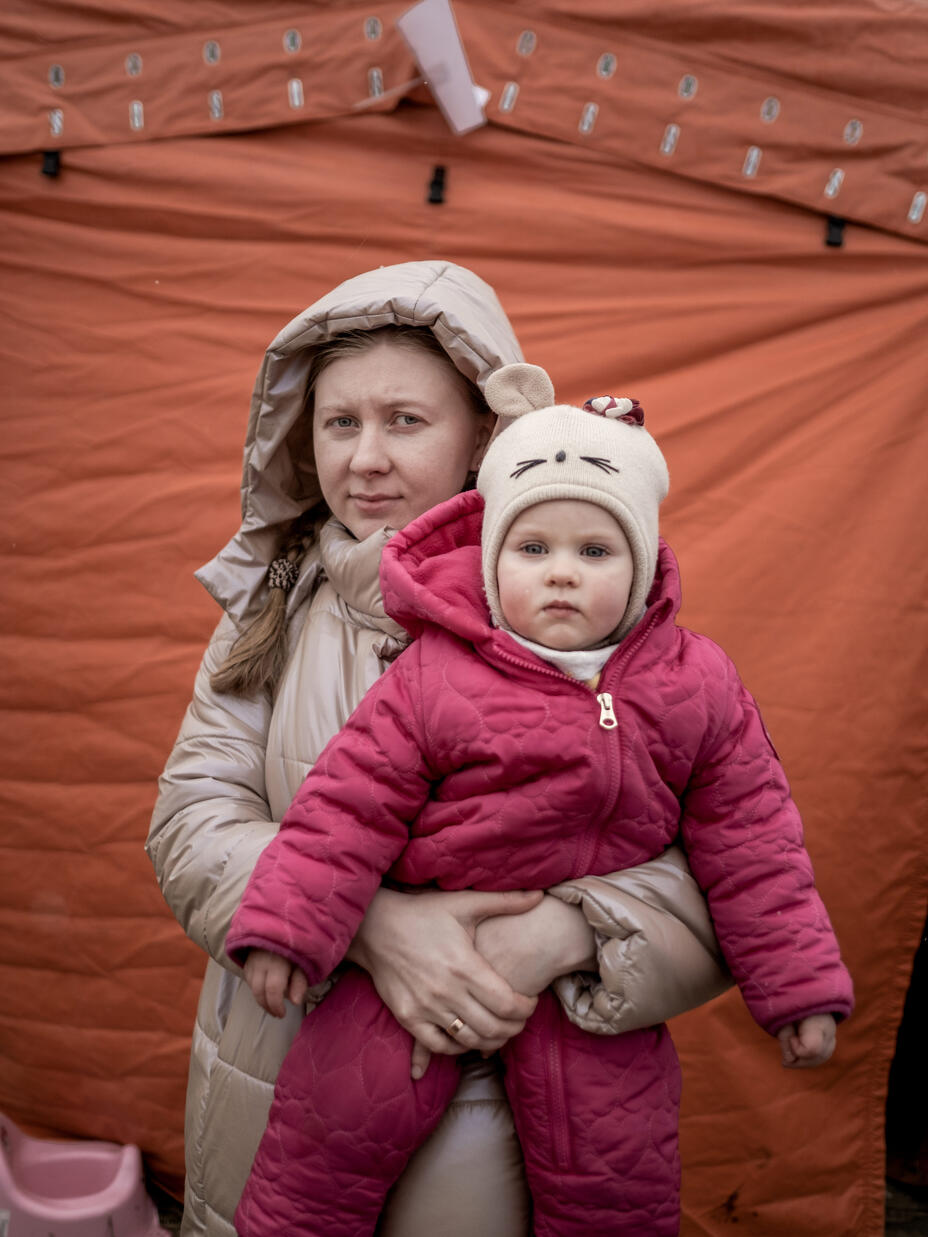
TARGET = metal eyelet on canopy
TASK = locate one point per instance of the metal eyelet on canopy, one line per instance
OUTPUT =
(507, 99)
(56, 76)
(212, 52)
(670, 139)
(770, 109)
(834, 183)
(293, 41)
(853, 131)
(751, 161)
(527, 42)
(588, 118)
(688, 86)
(373, 28)
(606, 65)
(133, 64)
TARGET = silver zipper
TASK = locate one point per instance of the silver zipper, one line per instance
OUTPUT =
(607, 717)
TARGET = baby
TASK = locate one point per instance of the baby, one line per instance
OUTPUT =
(549, 720)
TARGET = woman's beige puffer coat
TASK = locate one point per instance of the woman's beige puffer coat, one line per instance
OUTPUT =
(237, 764)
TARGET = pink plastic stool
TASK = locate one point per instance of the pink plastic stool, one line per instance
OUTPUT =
(72, 1189)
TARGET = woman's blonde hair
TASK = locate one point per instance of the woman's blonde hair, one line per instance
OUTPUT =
(257, 658)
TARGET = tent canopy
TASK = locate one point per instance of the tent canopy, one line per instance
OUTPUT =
(614, 203)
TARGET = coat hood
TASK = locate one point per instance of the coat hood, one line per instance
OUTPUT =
(278, 475)
(430, 575)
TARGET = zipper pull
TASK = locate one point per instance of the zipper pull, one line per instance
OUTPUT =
(607, 718)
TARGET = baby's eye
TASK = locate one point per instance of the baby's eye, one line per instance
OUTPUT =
(595, 551)
(532, 547)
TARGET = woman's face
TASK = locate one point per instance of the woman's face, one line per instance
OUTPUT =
(393, 434)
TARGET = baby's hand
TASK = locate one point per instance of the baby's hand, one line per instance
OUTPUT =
(809, 1042)
(271, 978)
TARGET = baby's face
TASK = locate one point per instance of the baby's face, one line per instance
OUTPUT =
(564, 574)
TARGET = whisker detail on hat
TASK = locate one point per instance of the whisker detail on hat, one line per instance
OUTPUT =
(600, 462)
(524, 466)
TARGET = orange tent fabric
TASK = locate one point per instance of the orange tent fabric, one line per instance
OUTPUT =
(785, 379)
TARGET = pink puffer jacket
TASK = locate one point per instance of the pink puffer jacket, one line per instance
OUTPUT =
(511, 782)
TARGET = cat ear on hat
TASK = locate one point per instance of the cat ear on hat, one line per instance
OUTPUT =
(516, 389)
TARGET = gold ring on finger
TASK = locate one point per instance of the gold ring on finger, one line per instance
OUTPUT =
(455, 1028)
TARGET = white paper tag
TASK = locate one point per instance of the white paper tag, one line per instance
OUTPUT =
(431, 32)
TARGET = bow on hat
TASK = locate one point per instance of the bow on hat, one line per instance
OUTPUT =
(623, 409)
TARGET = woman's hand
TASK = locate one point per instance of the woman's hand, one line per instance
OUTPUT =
(419, 951)
(531, 950)
(271, 978)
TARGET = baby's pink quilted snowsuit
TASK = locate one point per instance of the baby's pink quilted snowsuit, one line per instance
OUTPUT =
(473, 764)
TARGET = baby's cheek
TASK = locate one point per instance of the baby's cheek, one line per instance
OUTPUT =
(515, 599)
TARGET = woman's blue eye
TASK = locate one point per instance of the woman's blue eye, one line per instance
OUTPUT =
(408, 418)
(342, 423)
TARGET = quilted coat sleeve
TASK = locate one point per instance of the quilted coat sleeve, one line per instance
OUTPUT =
(744, 839)
(656, 948)
(345, 828)
(211, 819)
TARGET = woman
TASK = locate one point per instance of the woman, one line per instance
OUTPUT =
(348, 441)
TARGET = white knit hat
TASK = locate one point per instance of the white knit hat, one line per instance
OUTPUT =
(599, 454)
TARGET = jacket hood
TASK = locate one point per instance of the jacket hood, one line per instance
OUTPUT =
(430, 574)
(278, 475)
